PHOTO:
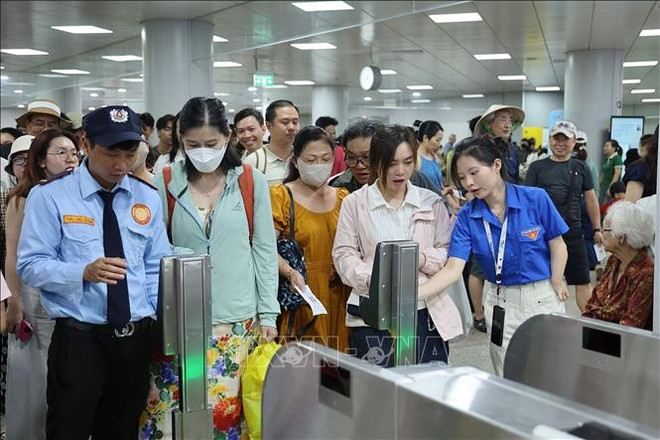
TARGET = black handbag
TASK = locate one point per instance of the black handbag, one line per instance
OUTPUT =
(292, 252)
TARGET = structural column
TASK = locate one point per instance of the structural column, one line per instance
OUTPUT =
(592, 93)
(178, 63)
(71, 99)
(331, 101)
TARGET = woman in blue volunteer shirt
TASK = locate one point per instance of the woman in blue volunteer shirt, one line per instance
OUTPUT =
(524, 267)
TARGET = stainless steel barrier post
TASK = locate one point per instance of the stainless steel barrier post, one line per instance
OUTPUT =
(392, 301)
(186, 289)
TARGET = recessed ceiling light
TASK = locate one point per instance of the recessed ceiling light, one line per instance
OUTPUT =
(419, 101)
(651, 100)
(642, 91)
(492, 56)
(121, 90)
(256, 100)
(82, 29)
(302, 82)
(252, 89)
(389, 90)
(259, 108)
(313, 46)
(456, 18)
(133, 80)
(548, 89)
(231, 110)
(70, 71)
(631, 81)
(91, 109)
(277, 86)
(18, 91)
(388, 72)
(225, 103)
(92, 89)
(23, 105)
(226, 64)
(367, 98)
(322, 6)
(122, 58)
(220, 94)
(2, 67)
(218, 39)
(416, 94)
(420, 87)
(473, 95)
(23, 52)
(650, 33)
(444, 108)
(640, 63)
(511, 77)
(94, 95)
(4, 77)
(52, 75)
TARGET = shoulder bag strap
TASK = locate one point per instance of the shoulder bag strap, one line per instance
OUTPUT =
(246, 184)
(291, 213)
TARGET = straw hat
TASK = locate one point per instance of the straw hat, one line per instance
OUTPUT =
(40, 106)
(517, 114)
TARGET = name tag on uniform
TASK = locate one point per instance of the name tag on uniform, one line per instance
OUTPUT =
(81, 219)
(531, 233)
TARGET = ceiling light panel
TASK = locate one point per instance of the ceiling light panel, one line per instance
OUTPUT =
(23, 52)
(313, 46)
(322, 6)
(631, 81)
(226, 64)
(473, 95)
(640, 63)
(548, 89)
(456, 18)
(492, 56)
(511, 77)
(651, 100)
(420, 101)
(122, 58)
(420, 87)
(386, 91)
(367, 98)
(70, 71)
(219, 39)
(133, 80)
(650, 33)
(388, 72)
(82, 29)
(299, 83)
(642, 91)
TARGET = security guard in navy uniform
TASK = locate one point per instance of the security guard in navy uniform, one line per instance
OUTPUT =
(92, 241)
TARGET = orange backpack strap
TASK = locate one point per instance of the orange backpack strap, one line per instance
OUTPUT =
(246, 183)
(167, 178)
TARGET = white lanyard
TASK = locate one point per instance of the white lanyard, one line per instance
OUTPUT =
(500, 252)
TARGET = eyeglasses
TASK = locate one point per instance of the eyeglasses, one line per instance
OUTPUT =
(64, 154)
(19, 159)
(353, 161)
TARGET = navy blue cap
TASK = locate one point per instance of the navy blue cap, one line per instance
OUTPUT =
(113, 124)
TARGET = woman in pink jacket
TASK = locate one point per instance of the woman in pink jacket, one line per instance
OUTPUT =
(391, 208)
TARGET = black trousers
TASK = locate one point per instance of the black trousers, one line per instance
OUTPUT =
(97, 384)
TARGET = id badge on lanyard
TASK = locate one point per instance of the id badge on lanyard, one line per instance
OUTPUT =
(497, 325)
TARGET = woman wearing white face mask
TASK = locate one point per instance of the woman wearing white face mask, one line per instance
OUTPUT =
(316, 211)
(210, 215)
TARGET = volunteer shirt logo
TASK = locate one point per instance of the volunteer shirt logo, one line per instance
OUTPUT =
(118, 115)
(141, 214)
(532, 233)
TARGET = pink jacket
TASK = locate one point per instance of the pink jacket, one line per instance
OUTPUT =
(354, 250)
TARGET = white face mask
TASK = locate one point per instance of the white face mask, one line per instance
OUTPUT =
(315, 174)
(206, 160)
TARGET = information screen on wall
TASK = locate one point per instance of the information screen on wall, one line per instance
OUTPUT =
(627, 130)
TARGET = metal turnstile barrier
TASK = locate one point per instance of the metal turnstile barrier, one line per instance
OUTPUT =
(607, 366)
(313, 392)
(185, 285)
(392, 301)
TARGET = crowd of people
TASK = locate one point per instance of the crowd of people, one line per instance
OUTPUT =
(89, 208)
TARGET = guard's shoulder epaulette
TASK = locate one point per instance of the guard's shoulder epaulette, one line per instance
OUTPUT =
(56, 176)
(143, 181)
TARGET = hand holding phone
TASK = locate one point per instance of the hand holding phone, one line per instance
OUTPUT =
(24, 332)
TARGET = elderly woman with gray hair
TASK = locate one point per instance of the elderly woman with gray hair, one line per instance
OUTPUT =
(625, 292)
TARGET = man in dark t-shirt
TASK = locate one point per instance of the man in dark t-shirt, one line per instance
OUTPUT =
(566, 181)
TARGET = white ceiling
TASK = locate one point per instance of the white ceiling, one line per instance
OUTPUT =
(395, 35)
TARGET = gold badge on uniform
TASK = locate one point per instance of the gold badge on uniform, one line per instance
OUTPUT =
(78, 219)
(141, 214)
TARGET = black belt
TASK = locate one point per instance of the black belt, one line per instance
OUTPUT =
(106, 329)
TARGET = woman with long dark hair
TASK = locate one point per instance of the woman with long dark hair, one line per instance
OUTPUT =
(642, 175)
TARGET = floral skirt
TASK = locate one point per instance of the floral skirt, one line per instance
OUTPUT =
(225, 361)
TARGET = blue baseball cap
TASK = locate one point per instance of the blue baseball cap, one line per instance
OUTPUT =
(113, 124)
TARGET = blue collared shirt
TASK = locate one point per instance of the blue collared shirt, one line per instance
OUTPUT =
(62, 232)
(533, 222)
